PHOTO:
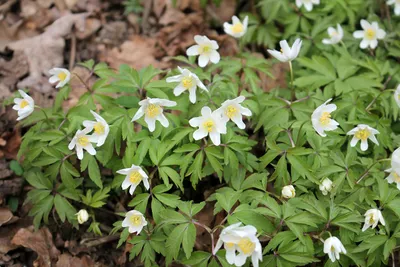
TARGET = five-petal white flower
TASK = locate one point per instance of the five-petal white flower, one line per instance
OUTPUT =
(396, 4)
(308, 4)
(370, 34)
(187, 81)
(60, 75)
(286, 54)
(321, 118)
(237, 29)
(288, 191)
(363, 132)
(332, 247)
(372, 217)
(24, 105)
(336, 35)
(326, 186)
(232, 110)
(100, 127)
(152, 109)
(206, 49)
(135, 221)
(83, 141)
(134, 175)
(396, 95)
(209, 123)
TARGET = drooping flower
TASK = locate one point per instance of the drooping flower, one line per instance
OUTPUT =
(206, 49)
(394, 170)
(134, 175)
(209, 123)
(333, 247)
(237, 29)
(83, 141)
(308, 4)
(152, 109)
(82, 216)
(60, 75)
(372, 217)
(24, 105)
(232, 110)
(287, 54)
(396, 95)
(326, 186)
(370, 34)
(135, 221)
(288, 191)
(336, 35)
(321, 118)
(228, 236)
(396, 4)
(188, 81)
(100, 128)
(363, 132)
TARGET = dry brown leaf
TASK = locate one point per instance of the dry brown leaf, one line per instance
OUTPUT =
(5, 215)
(224, 11)
(91, 26)
(66, 260)
(11, 71)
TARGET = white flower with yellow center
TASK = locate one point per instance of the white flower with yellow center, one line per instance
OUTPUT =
(188, 81)
(60, 75)
(100, 128)
(134, 175)
(308, 4)
(286, 53)
(333, 247)
(321, 118)
(24, 105)
(82, 216)
(288, 191)
(237, 29)
(135, 221)
(336, 35)
(152, 109)
(83, 141)
(394, 176)
(396, 4)
(363, 132)
(396, 95)
(210, 123)
(370, 34)
(372, 218)
(232, 110)
(326, 186)
(206, 49)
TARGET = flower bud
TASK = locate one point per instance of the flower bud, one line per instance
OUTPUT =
(82, 216)
(288, 191)
(326, 186)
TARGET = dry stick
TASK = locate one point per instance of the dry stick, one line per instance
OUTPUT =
(73, 52)
(146, 14)
(101, 240)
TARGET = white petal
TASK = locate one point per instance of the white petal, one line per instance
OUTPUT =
(358, 34)
(138, 114)
(354, 141)
(364, 145)
(151, 123)
(215, 138)
(163, 120)
(199, 134)
(203, 60)
(214, 57)
(193, 50)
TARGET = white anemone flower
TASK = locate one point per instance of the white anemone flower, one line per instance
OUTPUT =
(24, 106)
(60, 75)
(335, 35)
(370, 34)
(237, 29)
(206, 49)
(326, 186)
(134, 175)
(394, 176)
(333, 247)
(362, 133)
(209, 123)
(396, 95)
(308, 4)
(100, 128)
(82, 216)
(372, 218)
(83, 141)
(135, 221)
(188, 81)
(287, 54)
(152, 109)
(321, 118)
(232, 110)
(288, 191)
(396, 4)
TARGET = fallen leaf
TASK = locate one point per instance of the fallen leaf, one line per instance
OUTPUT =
(66, 260)
(91, 26)
(13, 70)
(224, 11)
(5, 215)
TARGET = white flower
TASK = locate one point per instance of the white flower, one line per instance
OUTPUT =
(206, 49)
(83, 141)
(135, 221)
(372, 217)
(286, 54)
(210, 123)
(237, 29)
(326, 186)
(321, 118)
(394, 176)
(308, 4)
(288, 191)
(24, 106)
(187, 81)
(82, 216)
(152, 109)
(336, 35)
(232, 110)
(397, 95)
(60, 75)
(370, 34)
(396, 4)
(363, 132)
(332, 247)
(100, 127)
(134, 175)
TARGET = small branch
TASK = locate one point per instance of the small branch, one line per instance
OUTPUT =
(73, 52)
(100, 241)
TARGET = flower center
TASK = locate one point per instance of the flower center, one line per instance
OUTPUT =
(246, 246)
(136, 220)
(396, 177)
(325, 118)
(83, 141)
(153, 110)
(332, 248)
(135, 177)
(231, 111)
(370, 34)
(98, 128)
(230, 245)
(61, 76)
(363, 134)
(371, 219)
(205, 48)
(187, 82)
(209, 125)
(23, 103)
(237, 28)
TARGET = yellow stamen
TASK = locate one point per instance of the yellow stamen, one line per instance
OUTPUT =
(371, 219)
(246, 246)
(204, 49)
(229, 245)
(136, 220)
(83, 141)
(231, 111)
(153, 110)
(209, 125)
(135, 177)
(396, 177)
(61, 76)
(23, 103)
(332, 248)
(237, 28)
(363, 134)
(187, 82)
(370, 34)
(325, 118)
(98, 128)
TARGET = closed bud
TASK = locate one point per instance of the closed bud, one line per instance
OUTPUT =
(82, 216)
(288, 191)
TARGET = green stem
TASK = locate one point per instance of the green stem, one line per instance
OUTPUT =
(376, 98)
(45, 114)
(369, 168)
(293, 96)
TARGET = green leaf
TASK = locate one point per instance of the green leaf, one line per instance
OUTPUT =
(94, 171)
(189, 239)
(16, 167)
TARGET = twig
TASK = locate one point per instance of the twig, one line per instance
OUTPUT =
(100, 240)
(73, 52)
(146, 14)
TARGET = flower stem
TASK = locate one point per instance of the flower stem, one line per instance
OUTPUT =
(293, 96)
(45, 114)
(376, 98)
(369, 168)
